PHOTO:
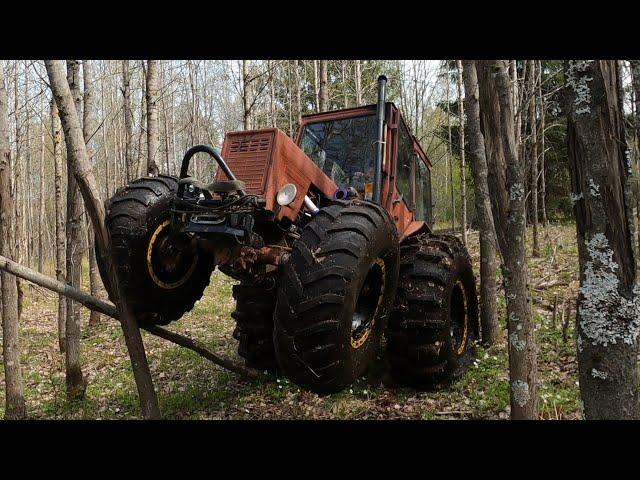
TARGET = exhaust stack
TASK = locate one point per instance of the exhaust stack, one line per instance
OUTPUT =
(377, 170)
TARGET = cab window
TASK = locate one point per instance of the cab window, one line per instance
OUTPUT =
(423, 191)
(403, 166)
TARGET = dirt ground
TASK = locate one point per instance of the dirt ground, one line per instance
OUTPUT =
(190, 387)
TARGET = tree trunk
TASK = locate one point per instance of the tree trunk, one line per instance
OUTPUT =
(153, 141)
(95, 208)
(17, 187)
(14, 396)
(247, 103)
(543, 173)
(76, 384)
(635, 84)
(88, 130)
(488, 290)
(463, 168)
(61, 255)
(41, 206)
(324, 87)
(450, 152)
(507, 192)
(128, 121)
(142, 137)
(534, 156)
(608, 316)
(296, 66)
(358, 82)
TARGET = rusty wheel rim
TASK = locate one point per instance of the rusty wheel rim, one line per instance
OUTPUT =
(367, 304)
(169, 266)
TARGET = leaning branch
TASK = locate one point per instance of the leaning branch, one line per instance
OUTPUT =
(93, 303)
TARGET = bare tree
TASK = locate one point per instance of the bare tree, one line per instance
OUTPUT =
(323, 91)
(543, 167)
(507, 192)
(488, 290)
(449, 146)
(296, 67)
(14, 398)
(608, 313)
(88, 131)
(93, 203)
(128, 121)
(358, 83)
(61, 256)
(153, 141)
(463, 167)
(533, 155)
(41, 209)
(246, 96)
(76, 383)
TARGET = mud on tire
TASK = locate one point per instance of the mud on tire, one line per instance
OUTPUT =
(434, 322)
(254, 324)
(137, 216)
(336, 291)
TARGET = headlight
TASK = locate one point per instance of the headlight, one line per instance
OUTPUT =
(287, 194)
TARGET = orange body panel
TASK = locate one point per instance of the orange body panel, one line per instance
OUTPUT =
(268, 159)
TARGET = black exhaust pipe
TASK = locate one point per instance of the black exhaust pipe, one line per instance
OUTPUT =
(377, 171)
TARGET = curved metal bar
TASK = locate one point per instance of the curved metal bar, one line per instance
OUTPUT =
(216, 156)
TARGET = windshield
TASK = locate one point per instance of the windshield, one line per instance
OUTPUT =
(344, 149)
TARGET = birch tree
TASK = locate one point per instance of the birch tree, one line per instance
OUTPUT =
(88, 131)
(14, 396)
(153, 141)
(507, 192)
(463, 167)
(75, 381)
(61, 255)
(608, 313)
(533, 155)
(95, 207)
(128, 121)
(323, 90)
(488, 289)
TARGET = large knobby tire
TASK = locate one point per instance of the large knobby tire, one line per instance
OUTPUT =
(254, 324)
(434, 323)
(335, 293)
(138, 219)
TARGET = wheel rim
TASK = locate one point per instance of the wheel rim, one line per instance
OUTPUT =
(169, 263)
(459, 318)
(367, 304)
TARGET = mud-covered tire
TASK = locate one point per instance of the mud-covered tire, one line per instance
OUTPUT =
(254, 324)
(133, 215)
(346, 246)
(434, 323)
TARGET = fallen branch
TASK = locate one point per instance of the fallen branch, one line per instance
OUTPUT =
(549, 284)
(93, 303)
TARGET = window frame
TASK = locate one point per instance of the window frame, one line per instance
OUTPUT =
(409, 202)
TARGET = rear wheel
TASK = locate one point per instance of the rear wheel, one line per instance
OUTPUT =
(162, 274)
(254, 324)
(435, 318)
(336, 290)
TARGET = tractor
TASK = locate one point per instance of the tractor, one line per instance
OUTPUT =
(329, 238)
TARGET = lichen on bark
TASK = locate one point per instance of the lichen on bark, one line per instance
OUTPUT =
(604, 312)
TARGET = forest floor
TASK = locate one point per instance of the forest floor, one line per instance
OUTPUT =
(190, 387)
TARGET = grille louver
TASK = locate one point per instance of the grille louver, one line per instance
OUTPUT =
(248, 154)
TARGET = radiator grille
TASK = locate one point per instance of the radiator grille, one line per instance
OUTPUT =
(248, 155)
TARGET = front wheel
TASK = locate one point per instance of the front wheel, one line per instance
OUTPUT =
(335, 293)
(161, 273)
